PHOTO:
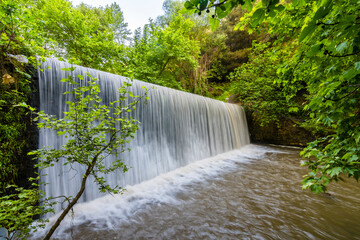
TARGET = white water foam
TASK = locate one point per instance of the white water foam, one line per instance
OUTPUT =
(106, 212)
(177, 128)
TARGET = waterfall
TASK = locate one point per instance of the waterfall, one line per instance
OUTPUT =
(176, 128)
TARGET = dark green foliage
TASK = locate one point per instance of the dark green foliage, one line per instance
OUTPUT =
(235, 49)
(254, 84)
(15, 88)
(13, 134)
(329, 54)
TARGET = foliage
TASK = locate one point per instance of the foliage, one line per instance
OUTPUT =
(12, 135)
(111, 17)
(220, 52)
(254, 84)
(90, 35)
(20, 33)
(171, 8)
(20, 30)
(164, 56)
(195, 80)
(235, 50)
(18, 210)
(329, 37)
(331, 41)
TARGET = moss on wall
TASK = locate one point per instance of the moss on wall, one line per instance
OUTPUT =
(287, 132)
(18, 134)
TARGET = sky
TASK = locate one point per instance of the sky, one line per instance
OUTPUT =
(136, 12)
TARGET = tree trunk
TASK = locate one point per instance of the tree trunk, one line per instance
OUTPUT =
(72, 203)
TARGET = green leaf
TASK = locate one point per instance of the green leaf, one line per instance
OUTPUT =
(221, 13)
(307, 31)
(357, 66)
(188, 5)
(353, 158)
(258, 16)
(298, 3)
(349, 74)
(323, 10)
(201, 4)
(334, 171)
(315, 49)
(327, 120)
(214, 23)
(293, 109)
(341, 47)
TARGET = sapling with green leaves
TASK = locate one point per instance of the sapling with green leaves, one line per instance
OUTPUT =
(18, 210)
(94, 131)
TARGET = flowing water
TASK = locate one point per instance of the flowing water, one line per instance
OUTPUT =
(177, 128)
(251, 193)
(193, 175)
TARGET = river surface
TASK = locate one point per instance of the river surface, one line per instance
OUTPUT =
(251, 193)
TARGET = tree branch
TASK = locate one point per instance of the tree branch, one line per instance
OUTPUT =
(338, 99)
(165, 64)
(346, 55)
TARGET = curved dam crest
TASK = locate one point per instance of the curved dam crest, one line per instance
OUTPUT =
(176, 128)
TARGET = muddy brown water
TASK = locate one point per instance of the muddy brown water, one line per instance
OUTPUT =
(256, 198)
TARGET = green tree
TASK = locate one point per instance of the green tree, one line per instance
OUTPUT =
(171, 8)
(111, 17)
(329, 51)
(164, 56)
(21, 38)
(94, 131)
(90, 35)
(193, 79)
(331, 42)
(254, 84)
(47, 28)
(18, 209)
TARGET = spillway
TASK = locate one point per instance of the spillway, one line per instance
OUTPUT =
(176, 128)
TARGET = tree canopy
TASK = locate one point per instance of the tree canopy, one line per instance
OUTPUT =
(328, 33)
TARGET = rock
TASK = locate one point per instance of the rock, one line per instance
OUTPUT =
(287, 133)
(7, 79)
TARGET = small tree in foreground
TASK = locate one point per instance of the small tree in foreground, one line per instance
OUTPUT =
(94, 131)
(18, 210)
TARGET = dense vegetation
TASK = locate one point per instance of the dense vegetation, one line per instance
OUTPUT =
(324, 65)
(296, 60)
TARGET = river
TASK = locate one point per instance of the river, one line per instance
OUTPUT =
(251, 193)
